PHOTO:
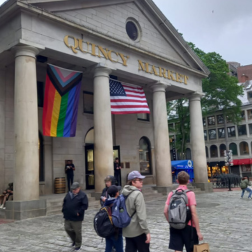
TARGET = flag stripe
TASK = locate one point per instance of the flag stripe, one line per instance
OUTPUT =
(69, 113)
(48, 105)
(129, 112)
(75, 110)
(55, 113)
(117, 98)
(130, 106)
(62, 115)
(128, 103)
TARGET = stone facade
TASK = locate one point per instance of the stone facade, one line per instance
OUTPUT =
(91, 37)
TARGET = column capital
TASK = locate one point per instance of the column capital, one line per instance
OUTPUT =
(102, 70)
(159, 87)
(196, 96)
(29, 51)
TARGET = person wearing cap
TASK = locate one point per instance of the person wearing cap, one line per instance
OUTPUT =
(114, 242)
(109, 180)
(74, 205)
(136, 233)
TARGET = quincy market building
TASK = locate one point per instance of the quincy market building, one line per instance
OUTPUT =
(129, 39)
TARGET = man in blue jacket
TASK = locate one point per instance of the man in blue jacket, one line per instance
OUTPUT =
(74, 205)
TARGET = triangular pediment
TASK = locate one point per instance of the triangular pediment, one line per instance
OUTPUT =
(109, 18)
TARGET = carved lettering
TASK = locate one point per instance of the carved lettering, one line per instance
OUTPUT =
(141, 66)
(162, 72)
(73, 47)
(81, 46)
(170, 76)
(124, 59)
(153, 70)
(110, 56)
(186, 79)
(101, 50)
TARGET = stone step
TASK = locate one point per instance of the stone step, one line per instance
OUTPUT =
(2, 214)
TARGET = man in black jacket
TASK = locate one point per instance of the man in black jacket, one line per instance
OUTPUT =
(74, 205)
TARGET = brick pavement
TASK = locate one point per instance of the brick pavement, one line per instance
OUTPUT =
(225, 220)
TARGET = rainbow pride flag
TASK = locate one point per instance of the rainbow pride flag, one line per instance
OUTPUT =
(62, 92)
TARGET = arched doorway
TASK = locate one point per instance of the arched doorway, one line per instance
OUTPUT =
(89, 158)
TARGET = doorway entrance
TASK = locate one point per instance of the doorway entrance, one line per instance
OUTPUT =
(90, 166)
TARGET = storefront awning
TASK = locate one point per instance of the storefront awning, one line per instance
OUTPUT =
(182, 164)
(245, 161)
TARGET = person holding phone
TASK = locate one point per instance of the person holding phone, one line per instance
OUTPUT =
(69, 169)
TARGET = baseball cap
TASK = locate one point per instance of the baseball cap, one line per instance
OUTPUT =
(113, 190)
(135, 174)
(75, 185)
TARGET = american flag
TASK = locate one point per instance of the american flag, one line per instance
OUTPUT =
(125, 99)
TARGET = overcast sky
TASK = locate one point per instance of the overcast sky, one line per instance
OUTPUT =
(222, 26)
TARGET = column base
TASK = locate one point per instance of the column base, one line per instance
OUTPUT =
(165, 190)
(206, 187)
(20, 210)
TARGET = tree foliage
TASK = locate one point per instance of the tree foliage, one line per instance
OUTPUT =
(221, 89)
(221, 94)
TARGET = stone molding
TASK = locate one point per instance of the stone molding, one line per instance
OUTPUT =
(28, 51)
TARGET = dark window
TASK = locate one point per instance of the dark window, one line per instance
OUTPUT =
(132, 30)
(206, 151)
(250, 129)
(205, 135)
(212, 134)
(242, 130)
(41, 158)
(244, 150)
(40, 93)
(249, 95)
(143, 117)
(204, 121)
(211, 120)
(249, 112)
(213, 151)
(233, 148)
(243, 115)
(222, 149)
(221, 133)
(145, 156)
(220, 119)
(88, 99)
(231, 131)
(188, 153)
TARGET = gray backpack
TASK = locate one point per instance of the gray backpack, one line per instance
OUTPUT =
(178, 212)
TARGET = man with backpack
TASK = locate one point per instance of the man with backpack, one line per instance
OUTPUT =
(114, 241)
(136, 233)
(244, 186)
(180, 212)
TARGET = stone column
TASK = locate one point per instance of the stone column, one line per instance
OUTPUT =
(161, 136)
(197, 140)
(26, 172)
(103, 141)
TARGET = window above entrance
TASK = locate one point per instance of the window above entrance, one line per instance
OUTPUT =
(133, 29)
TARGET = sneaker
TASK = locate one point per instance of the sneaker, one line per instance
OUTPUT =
(1, 206)
(77, 248)
(73, 244)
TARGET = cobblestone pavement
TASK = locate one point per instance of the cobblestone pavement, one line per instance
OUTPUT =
(225, 220)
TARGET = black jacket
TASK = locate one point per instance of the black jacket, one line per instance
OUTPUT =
(72, 206)
(104, 191)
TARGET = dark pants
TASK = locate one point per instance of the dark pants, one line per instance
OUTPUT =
(135, 244)
(114, 242)
(70, 178)
(73, 229)
(117, 176)
(183, 237)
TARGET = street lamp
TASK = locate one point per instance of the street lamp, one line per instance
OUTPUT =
(228, 158)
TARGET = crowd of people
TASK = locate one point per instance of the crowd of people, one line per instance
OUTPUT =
(179, 211)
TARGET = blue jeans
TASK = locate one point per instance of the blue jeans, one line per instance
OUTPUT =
(116, 242)
(248, 190)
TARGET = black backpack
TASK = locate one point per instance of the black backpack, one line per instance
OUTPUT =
(103, 223)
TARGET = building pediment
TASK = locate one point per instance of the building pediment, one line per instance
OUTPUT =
(109, 18)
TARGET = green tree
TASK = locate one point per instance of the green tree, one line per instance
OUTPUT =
(221, 89)
(221, 94)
